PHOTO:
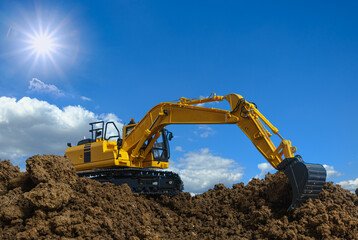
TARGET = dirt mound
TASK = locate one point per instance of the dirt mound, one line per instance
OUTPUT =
(47, 168)
(49, 201)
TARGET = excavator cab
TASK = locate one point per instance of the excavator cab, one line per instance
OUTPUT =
(160, 149)
(99, 131)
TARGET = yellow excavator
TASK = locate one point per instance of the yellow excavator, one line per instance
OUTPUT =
(144, 147)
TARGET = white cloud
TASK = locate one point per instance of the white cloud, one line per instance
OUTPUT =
(86, 98)
(331, 173)
(179, 149)
(37, 85)
(30, 126)
(204, 104)
(201, 170)
(200, 105)
(350, 185)
(265, 168)
(204, 131)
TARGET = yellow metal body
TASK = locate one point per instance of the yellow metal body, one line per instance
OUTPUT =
(133, 152)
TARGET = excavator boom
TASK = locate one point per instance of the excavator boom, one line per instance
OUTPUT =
(139, 140)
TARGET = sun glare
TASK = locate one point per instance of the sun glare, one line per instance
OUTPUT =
(43, 40)
(42, 44)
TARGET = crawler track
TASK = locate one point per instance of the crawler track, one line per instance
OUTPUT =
(143, 181)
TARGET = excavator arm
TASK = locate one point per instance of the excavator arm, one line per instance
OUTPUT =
(243, 114)
(306, 179)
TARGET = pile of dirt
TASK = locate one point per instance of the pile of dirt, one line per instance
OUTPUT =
(49, 201)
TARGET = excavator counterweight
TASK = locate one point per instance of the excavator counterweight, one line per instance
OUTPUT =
(144, 146)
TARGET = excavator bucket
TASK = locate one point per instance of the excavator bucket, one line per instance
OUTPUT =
(306, 179)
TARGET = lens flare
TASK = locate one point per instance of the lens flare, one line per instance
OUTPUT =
(42, 44)
(43, 40)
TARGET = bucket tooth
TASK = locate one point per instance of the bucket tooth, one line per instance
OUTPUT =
(306, 179)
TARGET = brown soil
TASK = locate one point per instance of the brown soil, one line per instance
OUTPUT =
(49, 201)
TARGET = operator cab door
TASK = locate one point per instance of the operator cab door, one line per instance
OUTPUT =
(160, 149)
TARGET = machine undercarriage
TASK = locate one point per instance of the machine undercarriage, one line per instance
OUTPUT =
(142, 181)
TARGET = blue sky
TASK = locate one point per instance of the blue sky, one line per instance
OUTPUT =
(297, 60)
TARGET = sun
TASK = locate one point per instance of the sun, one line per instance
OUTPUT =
(42, 44)
(43, 40)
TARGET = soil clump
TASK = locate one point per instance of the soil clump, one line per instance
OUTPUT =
(49, 201)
